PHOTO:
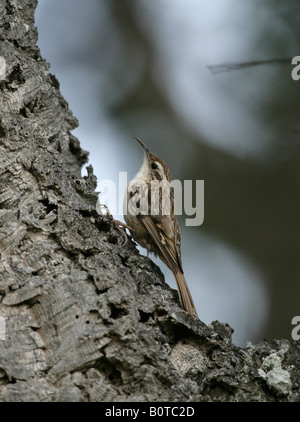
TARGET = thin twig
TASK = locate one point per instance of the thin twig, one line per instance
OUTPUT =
(226, 67)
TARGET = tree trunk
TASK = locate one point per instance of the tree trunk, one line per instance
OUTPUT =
(82, 317)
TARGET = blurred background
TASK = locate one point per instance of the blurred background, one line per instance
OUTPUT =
(140, 66)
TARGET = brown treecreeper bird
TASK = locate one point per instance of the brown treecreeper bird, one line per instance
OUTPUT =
(151, 226)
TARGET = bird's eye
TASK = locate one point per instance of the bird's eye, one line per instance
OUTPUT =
(154, 166)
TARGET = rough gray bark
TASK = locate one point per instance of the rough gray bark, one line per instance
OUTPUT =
(87, 319)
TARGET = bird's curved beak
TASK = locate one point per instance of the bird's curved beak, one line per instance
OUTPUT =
(147, 152)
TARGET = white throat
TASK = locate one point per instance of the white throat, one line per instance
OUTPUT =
(143, 173)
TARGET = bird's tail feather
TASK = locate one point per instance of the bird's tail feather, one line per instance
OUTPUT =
(185, 296)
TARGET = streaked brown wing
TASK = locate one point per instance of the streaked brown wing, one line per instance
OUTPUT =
(161, 230)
